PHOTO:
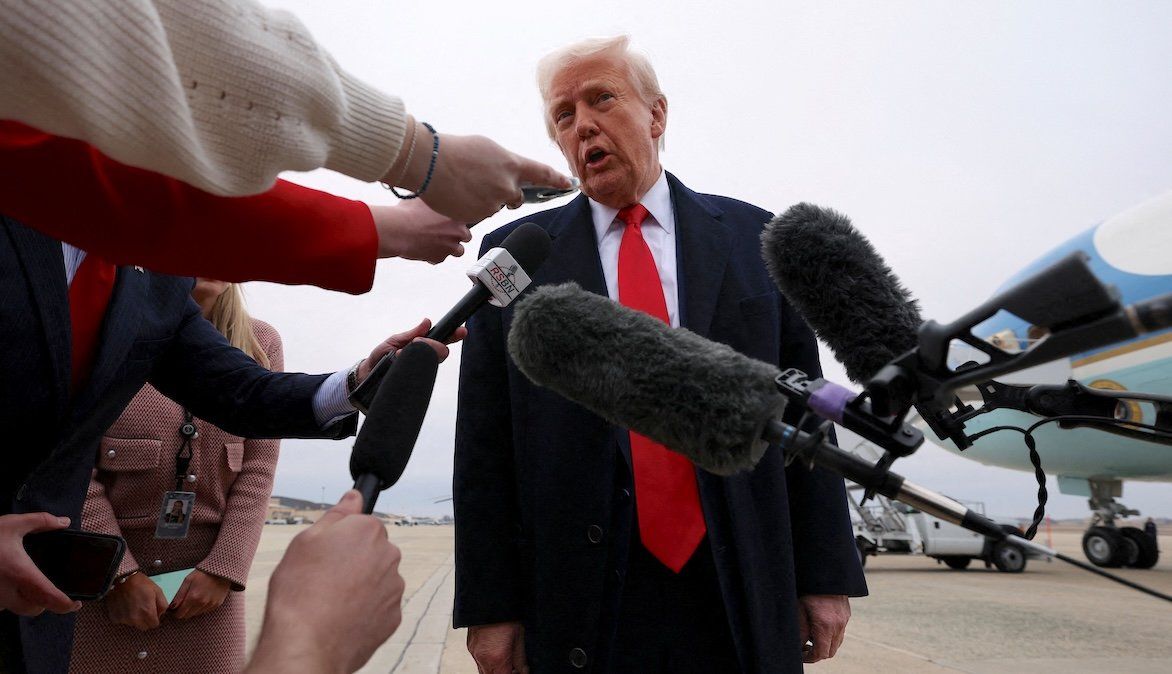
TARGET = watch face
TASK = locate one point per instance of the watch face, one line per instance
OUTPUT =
(352, 378)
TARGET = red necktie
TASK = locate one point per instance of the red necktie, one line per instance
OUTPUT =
(88, 296)
(671, 523)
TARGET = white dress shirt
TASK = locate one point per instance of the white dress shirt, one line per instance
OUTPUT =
(659, 231)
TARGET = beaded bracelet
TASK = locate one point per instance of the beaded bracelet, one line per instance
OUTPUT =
(430, 166)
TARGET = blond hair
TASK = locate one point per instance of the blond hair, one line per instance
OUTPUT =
(232, 320)
(638, 68)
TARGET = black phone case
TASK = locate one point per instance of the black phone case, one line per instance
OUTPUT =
(111, 570)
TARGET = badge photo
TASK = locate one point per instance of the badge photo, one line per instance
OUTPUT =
(175, 514)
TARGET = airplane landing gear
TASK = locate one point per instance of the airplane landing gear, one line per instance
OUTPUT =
(1109, 546)
(1103, 546)
(1146, 552)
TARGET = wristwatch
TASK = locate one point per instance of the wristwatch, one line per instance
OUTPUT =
(352, 379)
(362, 395)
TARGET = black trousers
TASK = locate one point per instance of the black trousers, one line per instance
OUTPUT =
(672, 623)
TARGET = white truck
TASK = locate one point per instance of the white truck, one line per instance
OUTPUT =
(883, 526)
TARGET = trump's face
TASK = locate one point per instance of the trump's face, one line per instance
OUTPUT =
(606, 130)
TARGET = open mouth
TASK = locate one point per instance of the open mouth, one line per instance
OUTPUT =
(595, 157)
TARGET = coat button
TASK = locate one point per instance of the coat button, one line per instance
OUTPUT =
(625, 495)
(110, 453)
(578, 658)
(142, 655)
(157, 562)
(594, 533)
(191, 478)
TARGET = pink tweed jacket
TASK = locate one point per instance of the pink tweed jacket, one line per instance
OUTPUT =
(233, 479)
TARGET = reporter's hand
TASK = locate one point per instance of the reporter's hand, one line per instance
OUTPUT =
(138, 603)
(398, 341)
(413, 231)
(334, 598)
(199, 593)
(498, 648)
(473, 178)
(24, 590)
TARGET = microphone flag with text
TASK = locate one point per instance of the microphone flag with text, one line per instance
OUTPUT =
(498, 277)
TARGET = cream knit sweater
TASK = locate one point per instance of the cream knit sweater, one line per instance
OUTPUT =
(221, 94)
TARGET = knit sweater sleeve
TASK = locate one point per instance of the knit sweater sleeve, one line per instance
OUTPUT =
(221, 94)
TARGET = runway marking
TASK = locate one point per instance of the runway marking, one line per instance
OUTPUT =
(447, 567)
(417, 645)
(901, 651)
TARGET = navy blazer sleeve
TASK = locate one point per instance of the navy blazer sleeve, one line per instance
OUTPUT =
(825, 558)
(199, 369)
(489, 580)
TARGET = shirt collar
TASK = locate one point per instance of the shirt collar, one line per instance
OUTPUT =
(657, 201)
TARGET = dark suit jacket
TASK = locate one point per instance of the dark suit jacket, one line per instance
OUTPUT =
(152, 331)
(537, 476)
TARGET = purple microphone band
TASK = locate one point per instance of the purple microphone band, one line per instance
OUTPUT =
(829, 400)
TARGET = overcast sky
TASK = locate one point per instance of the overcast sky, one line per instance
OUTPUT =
(963, 138)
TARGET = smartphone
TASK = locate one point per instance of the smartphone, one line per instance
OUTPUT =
(81, 564)
(536, 194)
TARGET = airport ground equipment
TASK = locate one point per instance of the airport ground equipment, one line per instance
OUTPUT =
(886, 527)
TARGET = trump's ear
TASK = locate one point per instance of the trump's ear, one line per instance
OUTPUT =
(658, 117)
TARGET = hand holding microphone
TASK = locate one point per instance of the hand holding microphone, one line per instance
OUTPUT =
(467, 178)
(395, 411)
(499, 277)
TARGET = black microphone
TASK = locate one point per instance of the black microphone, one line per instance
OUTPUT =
(837, 281)
(704, 400)
(852, 300)
(387, 437)
(699, 398)
(498, 277)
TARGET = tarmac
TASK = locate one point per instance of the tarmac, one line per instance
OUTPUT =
(920, 616)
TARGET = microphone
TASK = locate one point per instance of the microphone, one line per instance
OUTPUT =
(834, 277)
(498, 277)
(387, 438)
(852, 300)
(704, 400)
(699, 398)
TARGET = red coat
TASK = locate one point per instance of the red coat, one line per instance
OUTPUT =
(129, 216)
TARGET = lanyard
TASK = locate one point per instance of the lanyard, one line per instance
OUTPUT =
(189, 432)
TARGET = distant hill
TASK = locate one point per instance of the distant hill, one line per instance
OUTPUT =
(301, 505)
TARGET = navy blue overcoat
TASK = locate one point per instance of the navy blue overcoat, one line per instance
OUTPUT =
(543, 525)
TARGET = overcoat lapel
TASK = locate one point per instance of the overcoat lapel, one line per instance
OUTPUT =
(702, 251)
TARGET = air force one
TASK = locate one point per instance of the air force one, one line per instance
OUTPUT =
(1133, 252)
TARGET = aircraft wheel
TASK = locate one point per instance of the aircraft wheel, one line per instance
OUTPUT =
(1103, 546)
(1009, 557)
(958, 563)
(1147, 554)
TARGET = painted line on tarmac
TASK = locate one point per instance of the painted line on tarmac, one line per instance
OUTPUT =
(902, 651)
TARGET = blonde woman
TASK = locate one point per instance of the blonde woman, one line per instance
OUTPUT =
(134, 628)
